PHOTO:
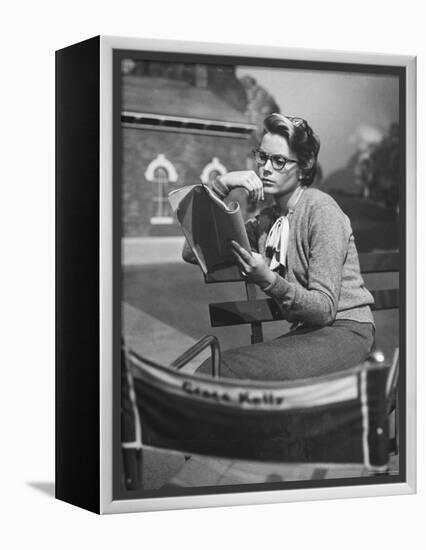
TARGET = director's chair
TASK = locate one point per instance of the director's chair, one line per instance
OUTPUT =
(334, 419)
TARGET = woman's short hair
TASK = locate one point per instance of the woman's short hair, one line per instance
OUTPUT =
(301, 139)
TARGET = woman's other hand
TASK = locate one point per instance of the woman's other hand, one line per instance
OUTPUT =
(247, 179)
(252, 266)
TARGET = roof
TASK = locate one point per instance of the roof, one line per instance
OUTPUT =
(165, 96)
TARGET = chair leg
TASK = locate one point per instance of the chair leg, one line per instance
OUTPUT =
(397, 424)
(394, 427)
(392, 435)
(132, 468)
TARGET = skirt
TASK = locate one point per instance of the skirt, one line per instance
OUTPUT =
(301, 353)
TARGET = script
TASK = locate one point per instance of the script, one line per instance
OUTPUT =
(209, 225)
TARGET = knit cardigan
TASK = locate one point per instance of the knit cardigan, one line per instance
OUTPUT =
(323, 281)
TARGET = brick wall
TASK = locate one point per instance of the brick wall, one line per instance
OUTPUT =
(189, 153)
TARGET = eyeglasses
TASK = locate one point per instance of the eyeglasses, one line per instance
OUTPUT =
(278, 161)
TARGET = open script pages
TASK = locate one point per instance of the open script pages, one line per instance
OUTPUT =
(209, 225)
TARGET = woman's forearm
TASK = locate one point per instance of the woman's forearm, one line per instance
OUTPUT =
(244, 179)
(311, 306)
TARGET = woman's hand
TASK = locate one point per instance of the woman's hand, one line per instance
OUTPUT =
(247, 179)
(252, 266)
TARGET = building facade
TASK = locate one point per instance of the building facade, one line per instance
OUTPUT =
(182, 124)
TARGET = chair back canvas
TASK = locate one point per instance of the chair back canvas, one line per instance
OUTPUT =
(339, 418)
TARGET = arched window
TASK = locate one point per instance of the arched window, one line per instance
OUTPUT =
(161, 212)
(160, 173)
(212, 170)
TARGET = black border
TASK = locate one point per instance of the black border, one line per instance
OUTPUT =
(361, 68)
(77, 422)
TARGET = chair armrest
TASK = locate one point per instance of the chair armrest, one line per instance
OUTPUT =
(197, 348)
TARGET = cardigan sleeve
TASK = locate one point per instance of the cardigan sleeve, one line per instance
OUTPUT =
(329, 232)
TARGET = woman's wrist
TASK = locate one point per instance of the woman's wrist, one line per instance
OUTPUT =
(268, 281)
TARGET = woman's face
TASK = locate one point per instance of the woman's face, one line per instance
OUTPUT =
(278, 182)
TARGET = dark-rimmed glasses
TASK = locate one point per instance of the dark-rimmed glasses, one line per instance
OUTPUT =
(278, 162)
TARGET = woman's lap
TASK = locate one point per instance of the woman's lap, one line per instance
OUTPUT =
(299, 354)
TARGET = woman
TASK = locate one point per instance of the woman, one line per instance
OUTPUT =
(304, 257)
